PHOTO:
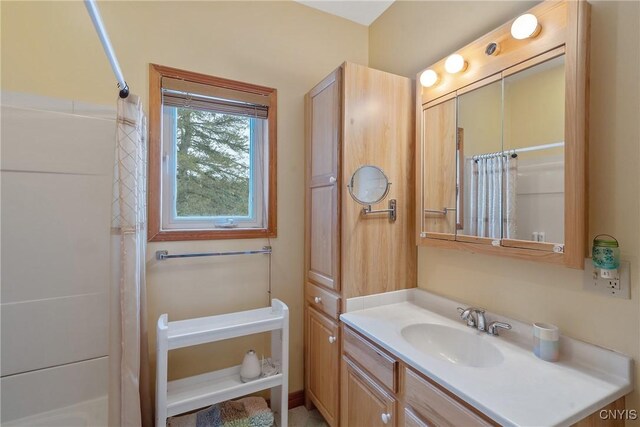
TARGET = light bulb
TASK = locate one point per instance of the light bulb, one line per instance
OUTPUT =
(428, 78)
(525, 26)
(455, 63)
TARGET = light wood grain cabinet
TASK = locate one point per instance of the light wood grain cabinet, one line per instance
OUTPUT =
(322, 381)
(501, 163)
(355, 116)
(364, 402)
(323, 197)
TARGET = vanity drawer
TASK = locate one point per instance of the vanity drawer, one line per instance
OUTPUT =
(323, 300)
(381, 366)
(436, 406)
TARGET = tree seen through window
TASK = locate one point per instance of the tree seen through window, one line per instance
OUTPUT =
(213, 164)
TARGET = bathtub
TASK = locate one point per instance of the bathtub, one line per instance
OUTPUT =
(90, 413)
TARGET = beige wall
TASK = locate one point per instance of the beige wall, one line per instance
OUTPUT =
(50, 48)
(534, 108)
(412, 35)
(480, 115)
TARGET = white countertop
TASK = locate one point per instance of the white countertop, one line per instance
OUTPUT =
(523, 390)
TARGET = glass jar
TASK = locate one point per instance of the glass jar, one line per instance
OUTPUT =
(605, 252)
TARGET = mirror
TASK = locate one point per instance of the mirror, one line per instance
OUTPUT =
(502, 143)
(493, 160)
(439, 178)
(534, 129)
(480, 162)
(368, 185)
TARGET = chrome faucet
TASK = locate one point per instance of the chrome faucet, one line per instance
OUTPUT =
(478, 322)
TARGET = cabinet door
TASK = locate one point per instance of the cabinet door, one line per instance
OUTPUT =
(363, 402)
(439, 171)
(323, 131)
(323, 357)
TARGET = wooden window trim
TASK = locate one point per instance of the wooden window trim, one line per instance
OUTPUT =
(155, 232)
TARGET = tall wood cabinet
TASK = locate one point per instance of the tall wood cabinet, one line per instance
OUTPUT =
(355, 116)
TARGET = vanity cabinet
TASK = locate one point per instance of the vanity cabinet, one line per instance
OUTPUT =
(374, 381)
(356, 116)
(377, 389)
(364, 402)
(501, 163)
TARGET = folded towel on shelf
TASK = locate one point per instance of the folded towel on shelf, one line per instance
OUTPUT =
(246, 412)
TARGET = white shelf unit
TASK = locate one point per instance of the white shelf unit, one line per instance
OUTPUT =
(187, 394)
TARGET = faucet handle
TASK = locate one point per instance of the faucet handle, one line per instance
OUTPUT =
(493, 327)
(465, 314)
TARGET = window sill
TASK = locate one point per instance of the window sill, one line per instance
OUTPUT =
(221, 234)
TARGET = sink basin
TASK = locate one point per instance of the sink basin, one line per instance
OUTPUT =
(451, 344)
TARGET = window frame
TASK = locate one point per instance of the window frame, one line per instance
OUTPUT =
(157, 211)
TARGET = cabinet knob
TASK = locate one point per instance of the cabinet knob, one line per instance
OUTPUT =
(332, 339)
(332, 179)
(317, 300)
(386, 418)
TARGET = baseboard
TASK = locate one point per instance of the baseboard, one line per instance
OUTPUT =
(296, 399)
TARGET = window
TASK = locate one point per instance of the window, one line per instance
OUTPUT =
(212, 167)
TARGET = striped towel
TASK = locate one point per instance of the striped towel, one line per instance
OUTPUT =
(246, 412)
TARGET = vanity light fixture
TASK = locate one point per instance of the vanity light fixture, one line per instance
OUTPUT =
(455, 63)
(525, 26)
(428, 78)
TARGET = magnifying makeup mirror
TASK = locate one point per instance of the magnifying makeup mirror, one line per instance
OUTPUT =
(369, 185)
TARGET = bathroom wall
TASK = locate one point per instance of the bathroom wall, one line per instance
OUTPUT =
(50, 48)
(57, 167)
(412, 35)
(532, 98)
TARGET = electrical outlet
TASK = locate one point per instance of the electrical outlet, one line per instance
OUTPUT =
(617, 287)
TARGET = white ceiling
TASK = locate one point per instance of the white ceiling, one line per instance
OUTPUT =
(361, 11)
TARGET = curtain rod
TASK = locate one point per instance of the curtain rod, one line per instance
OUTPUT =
(539, 147)
(514, 151)
(94, 13)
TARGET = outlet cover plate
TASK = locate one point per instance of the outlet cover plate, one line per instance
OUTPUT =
(617, 288)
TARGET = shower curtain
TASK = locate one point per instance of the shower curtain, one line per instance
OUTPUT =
(486, 195)
(129, 398)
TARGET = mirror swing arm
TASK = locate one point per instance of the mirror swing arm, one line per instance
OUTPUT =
(391, 210)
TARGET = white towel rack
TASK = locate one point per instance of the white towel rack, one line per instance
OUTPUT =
(187, 394)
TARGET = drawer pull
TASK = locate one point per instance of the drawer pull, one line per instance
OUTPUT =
(386, 418)
(332, 179)
(317, 300)
(332, 339)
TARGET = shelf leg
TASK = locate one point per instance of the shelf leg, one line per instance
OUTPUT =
(162, 350)
(280, 351)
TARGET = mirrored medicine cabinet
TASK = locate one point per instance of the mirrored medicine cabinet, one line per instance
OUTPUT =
(501, 165)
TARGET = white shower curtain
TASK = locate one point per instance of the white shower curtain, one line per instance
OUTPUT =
(486, 196)
(129, 399)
